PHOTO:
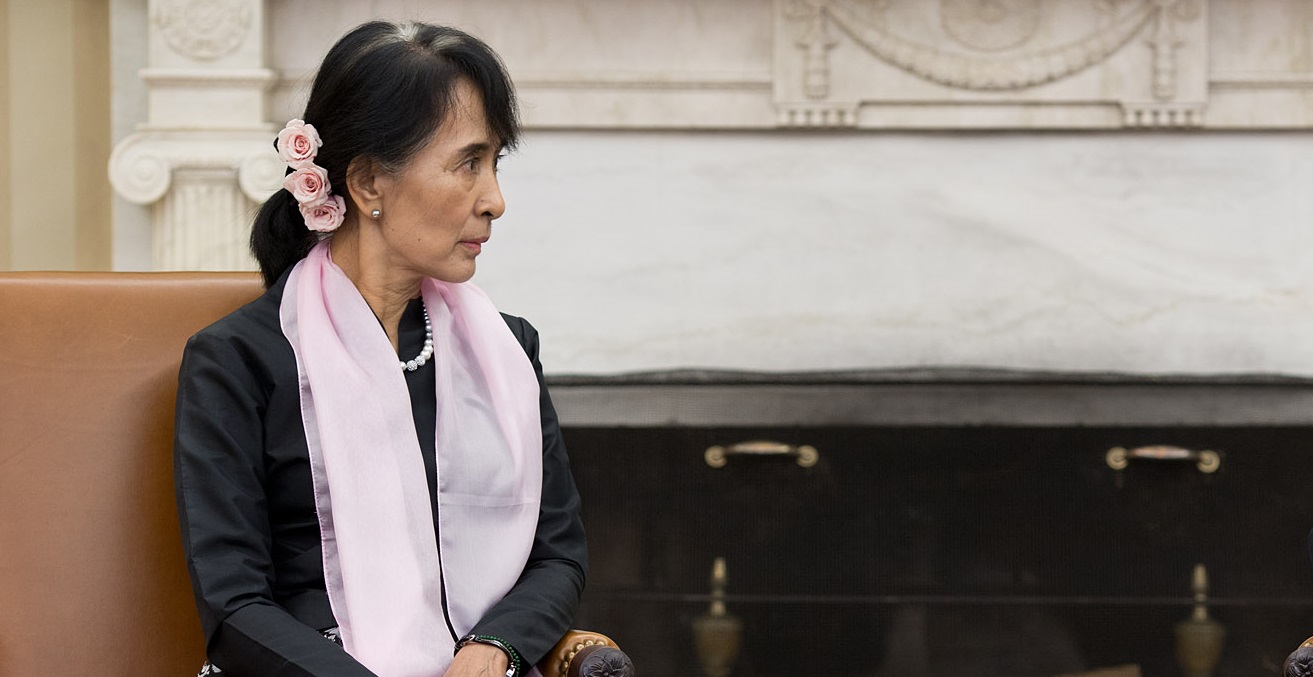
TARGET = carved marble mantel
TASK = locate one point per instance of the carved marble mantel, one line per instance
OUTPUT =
(203, 157)
(1155, 226)
(1069, 65)
(882, 63)
(215, 83)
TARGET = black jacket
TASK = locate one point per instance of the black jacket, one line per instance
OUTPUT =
(246, 504)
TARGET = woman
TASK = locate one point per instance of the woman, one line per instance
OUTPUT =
(369, 471)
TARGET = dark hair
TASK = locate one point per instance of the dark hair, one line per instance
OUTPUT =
(380, 94)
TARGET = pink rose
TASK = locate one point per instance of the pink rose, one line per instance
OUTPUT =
(326, 217)
(298, 144)
(309, 185)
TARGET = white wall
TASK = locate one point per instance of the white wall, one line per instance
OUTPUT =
(55, 202)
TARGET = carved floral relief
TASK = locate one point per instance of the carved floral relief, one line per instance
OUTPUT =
(203, 29)
(991, 25)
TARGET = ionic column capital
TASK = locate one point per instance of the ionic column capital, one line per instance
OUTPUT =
(141, 168)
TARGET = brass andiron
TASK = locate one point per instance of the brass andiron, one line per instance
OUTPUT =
(1199, 638)
(718, 634)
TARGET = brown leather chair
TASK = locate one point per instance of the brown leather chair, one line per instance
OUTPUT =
(92, 580)
(1300, 662)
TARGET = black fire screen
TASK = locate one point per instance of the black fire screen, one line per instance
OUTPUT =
(962, 552)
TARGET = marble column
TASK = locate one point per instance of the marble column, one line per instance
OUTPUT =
(204, 158)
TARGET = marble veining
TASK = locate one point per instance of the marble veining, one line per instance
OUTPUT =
(1137, 253)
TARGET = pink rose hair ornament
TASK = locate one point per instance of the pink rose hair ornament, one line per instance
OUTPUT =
(298, 144)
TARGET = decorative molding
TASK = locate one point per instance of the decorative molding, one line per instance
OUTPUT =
(1065, 400)
(259, 78)
(896, 64)
(693, 80)
(608, 80)
(1165, 43)
(868, 64)
(989, 73)
(203, 30)
(1162, 116)
(822, 115)
(1000, 64)
(816, 43)
(1261, 80)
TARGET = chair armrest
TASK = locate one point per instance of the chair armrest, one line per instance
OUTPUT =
(1298, 664)
(586, 654)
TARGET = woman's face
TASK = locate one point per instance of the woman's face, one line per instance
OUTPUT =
(438, 211)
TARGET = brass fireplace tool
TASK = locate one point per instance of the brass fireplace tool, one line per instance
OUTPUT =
(717, 633)
(1199, 638)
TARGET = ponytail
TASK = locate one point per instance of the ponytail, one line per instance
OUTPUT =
(279, 237)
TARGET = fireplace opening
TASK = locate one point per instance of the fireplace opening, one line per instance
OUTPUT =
(987, 548)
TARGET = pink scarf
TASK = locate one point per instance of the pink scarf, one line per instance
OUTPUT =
(382, 561)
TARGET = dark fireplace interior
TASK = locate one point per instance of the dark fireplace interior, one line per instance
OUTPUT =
(937, 550)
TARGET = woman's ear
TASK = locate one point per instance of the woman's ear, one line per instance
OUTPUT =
(365, 184)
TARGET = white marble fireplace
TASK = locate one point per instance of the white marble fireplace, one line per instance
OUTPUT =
(804, 185)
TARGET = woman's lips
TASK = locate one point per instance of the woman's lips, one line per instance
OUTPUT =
(475, 246)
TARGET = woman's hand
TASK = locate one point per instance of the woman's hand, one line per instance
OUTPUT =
(478, 660)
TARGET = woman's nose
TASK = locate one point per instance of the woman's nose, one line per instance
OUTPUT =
(493, 205)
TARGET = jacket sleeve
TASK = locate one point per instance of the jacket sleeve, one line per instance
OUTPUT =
(219, 482)
(539, 609)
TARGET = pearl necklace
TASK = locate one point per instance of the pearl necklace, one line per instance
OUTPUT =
(423, 357)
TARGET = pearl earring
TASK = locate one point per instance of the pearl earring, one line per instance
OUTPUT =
(376, 213)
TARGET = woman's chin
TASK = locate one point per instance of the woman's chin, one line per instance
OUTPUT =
(454, 274)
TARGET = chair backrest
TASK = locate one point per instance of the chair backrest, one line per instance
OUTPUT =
(92, 578)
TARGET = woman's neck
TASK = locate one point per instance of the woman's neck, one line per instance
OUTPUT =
(386, 289)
